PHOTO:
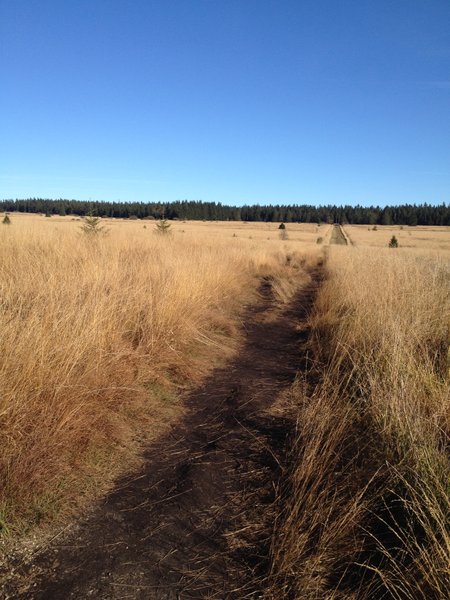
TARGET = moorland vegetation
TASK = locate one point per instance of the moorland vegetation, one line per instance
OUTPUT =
(102, 334)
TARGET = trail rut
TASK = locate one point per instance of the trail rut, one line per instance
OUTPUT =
(337, 236)
(195, 521)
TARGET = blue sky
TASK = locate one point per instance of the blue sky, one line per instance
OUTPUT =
(234, 101)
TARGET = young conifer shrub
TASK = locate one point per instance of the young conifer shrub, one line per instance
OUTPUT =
(394, 242)
(162, 227)
(92, 226)
(6, 220)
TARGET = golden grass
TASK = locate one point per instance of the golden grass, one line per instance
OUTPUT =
(368, 507)
(306, 233)
(97, 334)
(100, 336)
(435, 239)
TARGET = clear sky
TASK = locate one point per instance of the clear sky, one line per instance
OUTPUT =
(234, 101)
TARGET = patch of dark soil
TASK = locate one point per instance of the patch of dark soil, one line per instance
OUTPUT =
(195, 522)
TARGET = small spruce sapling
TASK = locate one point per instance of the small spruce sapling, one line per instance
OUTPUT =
(394, 242)
(92, 226)
(162, 227)
(6, 220)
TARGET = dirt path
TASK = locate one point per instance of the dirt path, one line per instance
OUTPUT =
(337, 236)
(195, 521)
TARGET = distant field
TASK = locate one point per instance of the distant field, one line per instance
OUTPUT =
(306, 233)
(249, 233)
(267, 234)
(424, 238)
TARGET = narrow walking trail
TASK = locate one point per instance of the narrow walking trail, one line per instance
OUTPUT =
(195, 521)
(337, 236)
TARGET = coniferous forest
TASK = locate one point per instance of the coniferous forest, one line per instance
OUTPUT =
(403, 214)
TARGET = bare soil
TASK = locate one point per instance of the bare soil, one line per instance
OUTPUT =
(196, 520)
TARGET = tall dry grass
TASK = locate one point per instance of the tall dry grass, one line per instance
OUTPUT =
(367, 513)
(94, 335)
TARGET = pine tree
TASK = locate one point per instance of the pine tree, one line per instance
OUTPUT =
(394, 242)
(6, 220)
(92, 226)
(162, 227)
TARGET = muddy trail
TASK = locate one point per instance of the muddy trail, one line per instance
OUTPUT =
(195, 521)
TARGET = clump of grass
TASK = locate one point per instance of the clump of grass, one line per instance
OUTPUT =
(283, 234)
(365, 509)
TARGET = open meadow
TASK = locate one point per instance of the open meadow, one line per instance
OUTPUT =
(100, 331)
(110, 341)
(365, 512)
(418, 238)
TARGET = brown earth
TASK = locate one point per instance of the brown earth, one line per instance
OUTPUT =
(195, 521)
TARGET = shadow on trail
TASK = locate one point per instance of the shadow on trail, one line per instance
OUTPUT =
(195, 521)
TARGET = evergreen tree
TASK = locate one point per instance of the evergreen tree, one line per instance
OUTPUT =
(92, 226)
(386, 217)
(162, 227)
(405, 214)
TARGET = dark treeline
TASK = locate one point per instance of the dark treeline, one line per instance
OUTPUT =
(405, 214)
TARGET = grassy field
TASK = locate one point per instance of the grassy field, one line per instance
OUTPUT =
(245, 231)
(366, 512)
(102, 334)
(434, 239)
